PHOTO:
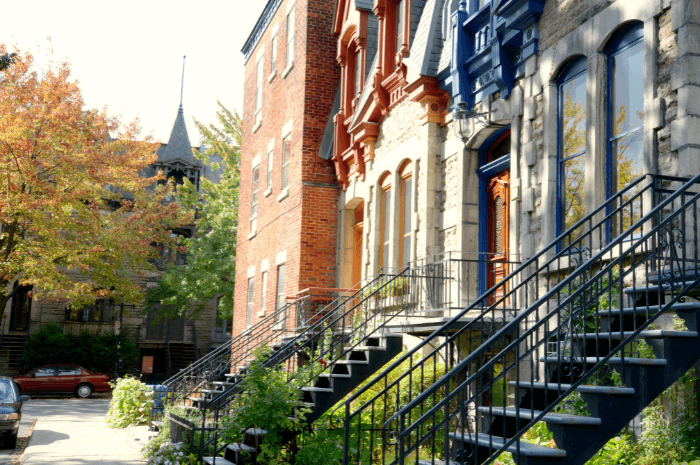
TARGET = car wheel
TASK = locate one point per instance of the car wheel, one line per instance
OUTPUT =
(11, 441)
(83, 391)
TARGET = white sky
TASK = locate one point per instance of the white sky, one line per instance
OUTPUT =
(128, 54)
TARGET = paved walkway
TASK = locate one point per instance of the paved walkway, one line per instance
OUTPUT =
(74, 432)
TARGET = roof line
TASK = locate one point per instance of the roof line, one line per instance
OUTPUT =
(256, 33)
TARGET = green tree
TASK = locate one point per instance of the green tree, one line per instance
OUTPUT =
(211, 252)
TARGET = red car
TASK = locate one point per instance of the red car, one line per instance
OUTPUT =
(63, 378)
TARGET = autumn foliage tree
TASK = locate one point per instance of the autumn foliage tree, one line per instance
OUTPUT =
(72, 200)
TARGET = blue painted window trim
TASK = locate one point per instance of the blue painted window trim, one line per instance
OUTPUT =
(485, 171)
(623, 39)
(575, 69)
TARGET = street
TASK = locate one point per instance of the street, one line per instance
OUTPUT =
(73, 432)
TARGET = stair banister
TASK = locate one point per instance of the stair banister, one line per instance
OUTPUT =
(633, 249)
(563, 247)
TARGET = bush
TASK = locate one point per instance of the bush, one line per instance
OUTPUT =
(131, 403)
(96, 353)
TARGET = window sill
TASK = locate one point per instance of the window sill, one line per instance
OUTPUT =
(286, 72)
(257, 126)
(267, 192)
(279, 327)
(272, 76)
(283, 195)
(251, 235)
(261, 313)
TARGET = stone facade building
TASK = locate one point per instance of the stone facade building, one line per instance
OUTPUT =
(164, 347)
(569, 100)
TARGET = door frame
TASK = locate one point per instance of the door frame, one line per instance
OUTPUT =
(485, 172)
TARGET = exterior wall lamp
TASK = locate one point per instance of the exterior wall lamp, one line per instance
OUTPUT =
(463, 124)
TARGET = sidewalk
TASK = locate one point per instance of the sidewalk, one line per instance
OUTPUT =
(74, 432)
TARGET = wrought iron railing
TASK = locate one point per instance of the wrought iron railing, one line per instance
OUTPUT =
(413, 415)
(232, 353)
(328, 337)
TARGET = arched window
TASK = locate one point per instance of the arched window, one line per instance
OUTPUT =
(406, 174)
(384, 219)
(571, 178)
(625, 154)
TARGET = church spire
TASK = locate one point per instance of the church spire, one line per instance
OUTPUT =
(182, 85)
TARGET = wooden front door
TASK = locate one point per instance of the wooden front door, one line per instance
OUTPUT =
(357, 244)
(498, 195)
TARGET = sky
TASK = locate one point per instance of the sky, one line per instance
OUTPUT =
(127, 55)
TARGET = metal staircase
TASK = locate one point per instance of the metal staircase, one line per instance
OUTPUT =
(341, 347)
(588, 304)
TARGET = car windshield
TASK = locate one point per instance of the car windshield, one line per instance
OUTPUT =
(7, 393)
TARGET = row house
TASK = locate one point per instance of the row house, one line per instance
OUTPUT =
(489, 176)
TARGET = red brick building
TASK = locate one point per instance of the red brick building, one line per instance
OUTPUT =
(288, 194)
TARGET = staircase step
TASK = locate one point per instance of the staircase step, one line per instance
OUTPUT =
(656, 289)
(651, 309)
(334, 375)
(612, 361)
(316, 389)
(608, 390)
(655, 334)
(364, 348)
(495, 442)
(351, 362)
(555, 418)
(216, 461)
(238, 447)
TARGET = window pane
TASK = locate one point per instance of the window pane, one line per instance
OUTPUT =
(399, 25)
(7, 392)
(358, 71)
(386, 215)
(280, 286)
(290, 38)
(69, 371)
(407, 207)
(285, 161)
(256, 178)
(572, 195)
(50, 371)
(249, 309)
(572, 100)
(269, 170)
(406, 250)
(274, 53)
(263, 290)
(627, 152)
(627, 70)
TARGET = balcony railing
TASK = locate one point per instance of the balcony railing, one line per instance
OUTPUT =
(98, 328)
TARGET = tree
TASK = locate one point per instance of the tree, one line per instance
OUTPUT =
(211, 252)
(72, 201)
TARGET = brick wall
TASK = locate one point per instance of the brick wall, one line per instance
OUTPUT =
(304, 223)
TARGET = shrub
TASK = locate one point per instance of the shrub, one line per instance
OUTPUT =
(166, 453)
(130, 403)
(96, 353)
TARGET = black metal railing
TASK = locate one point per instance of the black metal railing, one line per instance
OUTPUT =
(232, 353)
(662, 243)
(413, 415)
(328, 337)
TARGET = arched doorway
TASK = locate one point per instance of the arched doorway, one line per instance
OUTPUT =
(353, 227)
(494, 243)
(21, 308)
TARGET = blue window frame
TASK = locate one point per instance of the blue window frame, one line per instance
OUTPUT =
(625, 116)
(571, 163)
